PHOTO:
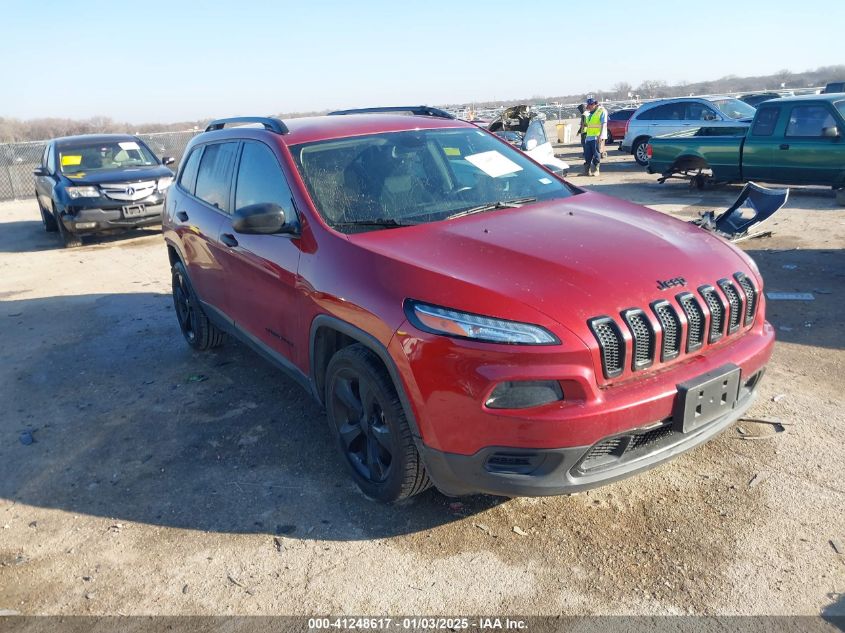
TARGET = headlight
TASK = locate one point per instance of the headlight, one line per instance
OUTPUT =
(437, 320)
(83, 192)
(164, 183)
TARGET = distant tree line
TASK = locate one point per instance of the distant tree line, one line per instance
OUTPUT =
(14, 130)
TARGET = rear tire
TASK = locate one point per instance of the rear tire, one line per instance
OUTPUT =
(47, 218)
(198, 330)
(639, 152)
(369, 424)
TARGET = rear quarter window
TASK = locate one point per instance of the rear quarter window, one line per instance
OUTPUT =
(188, 175)
(764, 124)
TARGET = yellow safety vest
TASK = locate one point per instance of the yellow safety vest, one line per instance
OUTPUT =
(594, 122)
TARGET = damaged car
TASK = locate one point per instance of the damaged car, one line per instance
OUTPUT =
(525, 129)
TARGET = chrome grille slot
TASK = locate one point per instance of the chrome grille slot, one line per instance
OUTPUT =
(717, 313)
(750, 296)
(671, 326)
(735, 305)
(695, 320)
(643, 337)
(611, 344)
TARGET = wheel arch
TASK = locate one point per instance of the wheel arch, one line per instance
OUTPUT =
(329, 335)
(688, 162)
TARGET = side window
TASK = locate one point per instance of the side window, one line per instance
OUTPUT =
(764, 124)
(700, 112)
(44, 155)
(51, 159)
(215, 174)
(809, 121)
(535, 131)
(188, 175)
(260, 179)
(667, 112)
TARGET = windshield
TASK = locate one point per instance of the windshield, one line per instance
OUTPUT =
(418, 176)
(88, 157)
(840, 105)
(734, 108)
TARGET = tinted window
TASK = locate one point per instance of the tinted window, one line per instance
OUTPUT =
(215, 174)
(260, 179)
(188, 176)
(764, 124)
(621, 115)
(666, 112)
(700, 112)
(51, 159)
(809, 121)
(840, 105)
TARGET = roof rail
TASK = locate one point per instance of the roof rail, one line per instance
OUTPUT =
(415, 110)
(269, 123)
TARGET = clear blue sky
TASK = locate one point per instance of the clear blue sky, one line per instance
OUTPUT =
(169, 61)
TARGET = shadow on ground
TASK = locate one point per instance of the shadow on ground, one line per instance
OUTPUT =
(29, 236)
(128, 423)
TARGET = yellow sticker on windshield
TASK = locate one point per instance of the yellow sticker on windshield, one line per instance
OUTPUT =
(451, 151)
(71, 160)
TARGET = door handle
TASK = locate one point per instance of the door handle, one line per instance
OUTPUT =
(183, 217)
(784, 146)
(229, 240)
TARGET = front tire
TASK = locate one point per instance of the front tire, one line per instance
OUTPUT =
(47, 218)
(370, 426)
(198, 330)
(69, 239)
(639, 152)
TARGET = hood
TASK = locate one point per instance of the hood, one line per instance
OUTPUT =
(127, 174)
(570, 259)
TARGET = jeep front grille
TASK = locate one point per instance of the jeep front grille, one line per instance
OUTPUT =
(611, 345)
(729, 308)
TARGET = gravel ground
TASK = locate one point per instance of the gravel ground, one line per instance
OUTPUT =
(163, 481)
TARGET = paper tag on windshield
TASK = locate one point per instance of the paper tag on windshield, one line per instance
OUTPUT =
(128, 145)
(545, 181)
(493, 163)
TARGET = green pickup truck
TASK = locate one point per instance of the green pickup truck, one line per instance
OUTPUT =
(794, 141)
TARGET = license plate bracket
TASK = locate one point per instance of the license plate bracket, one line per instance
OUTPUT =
(706, 398)
(133, 210)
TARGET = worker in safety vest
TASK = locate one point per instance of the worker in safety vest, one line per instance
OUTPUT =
(596, 133)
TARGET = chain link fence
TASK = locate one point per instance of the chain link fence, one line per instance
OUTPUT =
(17, 160)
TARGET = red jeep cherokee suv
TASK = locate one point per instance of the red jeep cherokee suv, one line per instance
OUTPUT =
(467, 319)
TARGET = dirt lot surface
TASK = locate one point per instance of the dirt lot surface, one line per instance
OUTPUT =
(163, 481)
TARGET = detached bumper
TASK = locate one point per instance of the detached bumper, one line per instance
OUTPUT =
(95, 219)
(515, 472)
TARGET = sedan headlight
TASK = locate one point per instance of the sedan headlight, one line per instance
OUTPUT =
(164, 183)
(437, 320)
(83, 192)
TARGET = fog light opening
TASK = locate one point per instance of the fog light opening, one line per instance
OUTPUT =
(84, 225)
(524, 394)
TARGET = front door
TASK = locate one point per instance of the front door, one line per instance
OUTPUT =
(806, 154)
(262, 270)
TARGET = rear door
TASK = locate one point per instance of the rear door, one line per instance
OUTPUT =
(761, 144)
(261, 270)
(203, 199)
(805, 155)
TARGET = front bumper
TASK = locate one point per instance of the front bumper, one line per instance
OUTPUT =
(102, 214)
(509, 472)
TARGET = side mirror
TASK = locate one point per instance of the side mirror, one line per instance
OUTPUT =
(530, 144)
(167, 160)
(264, 218)
(830, 132)
(40, 171)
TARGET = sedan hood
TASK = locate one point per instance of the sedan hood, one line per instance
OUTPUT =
(571, 259)
(127, 174)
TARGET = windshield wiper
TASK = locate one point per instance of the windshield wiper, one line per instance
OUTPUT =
(499, 204)
(376, 222)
